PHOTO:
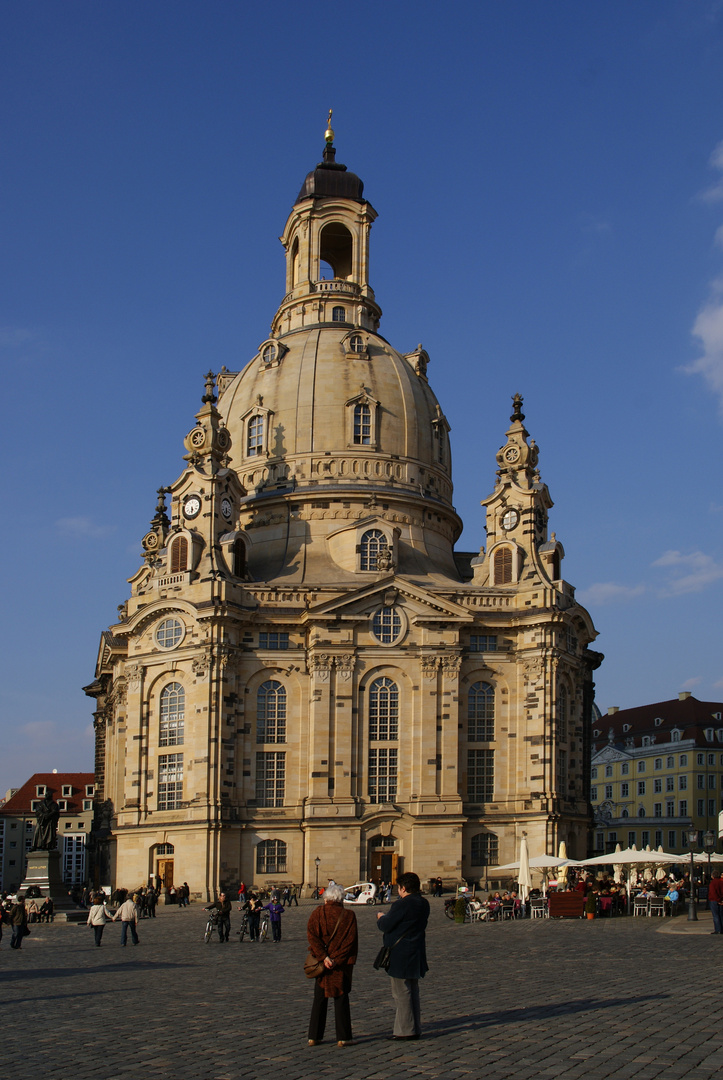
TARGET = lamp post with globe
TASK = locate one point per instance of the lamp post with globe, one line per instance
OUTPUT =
(317, 864)
(709, 845)
(692, 838)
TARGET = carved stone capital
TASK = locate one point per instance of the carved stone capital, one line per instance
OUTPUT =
(134, 674)
(429, 666)
(345, 665)
(320, 666)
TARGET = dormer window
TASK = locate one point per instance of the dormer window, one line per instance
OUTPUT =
(361, 422)
(675, 736)
(709, 734)
(362, 425)
(658, 721)
(255, 436)
(179, 555)
(503, 566)
(626, 727)
(62, 804)
(90, 790)
(41, 790)
(596, 733)
(67, 790)
(356, 343)
(269, 353)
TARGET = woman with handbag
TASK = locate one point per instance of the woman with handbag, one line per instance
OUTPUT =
(333, 946)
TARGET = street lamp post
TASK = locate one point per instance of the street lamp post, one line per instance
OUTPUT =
(692, 842)
(317, 864)
(709, 845)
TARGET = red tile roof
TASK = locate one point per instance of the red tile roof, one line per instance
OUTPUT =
(689, 716)
(21, 801)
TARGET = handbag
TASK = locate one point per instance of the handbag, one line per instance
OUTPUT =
(384, 956)
(313, 968)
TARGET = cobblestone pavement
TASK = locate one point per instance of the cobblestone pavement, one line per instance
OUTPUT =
(605, 999)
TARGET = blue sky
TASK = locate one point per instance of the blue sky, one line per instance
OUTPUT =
(549, 183)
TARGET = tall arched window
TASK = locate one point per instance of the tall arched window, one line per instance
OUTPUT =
(562, 712)
(179, 555)
(383, 728)
(255, 439)
(271, 712)
(173, 711)
(481, 712)
(362, 425)
(239, 558)
(503, 566)
(271, 857)
(373, 542)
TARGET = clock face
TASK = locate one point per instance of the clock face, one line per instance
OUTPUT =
(510, 519)
(226, 508)
(192, 506)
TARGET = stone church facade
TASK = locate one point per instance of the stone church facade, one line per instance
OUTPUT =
(305, 669)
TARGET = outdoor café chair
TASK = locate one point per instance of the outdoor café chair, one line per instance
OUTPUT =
(640, 905)
(508, 909)
(656, 906)
(539, 909)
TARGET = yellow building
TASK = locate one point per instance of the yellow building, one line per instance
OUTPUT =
(656, 771)
(305, 668)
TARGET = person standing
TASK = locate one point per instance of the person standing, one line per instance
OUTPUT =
(128, 915)
(253, 907)
(715, 899)
(19, 923)
(332, 934)
(98, 916)
(404, 927)
(275, 910)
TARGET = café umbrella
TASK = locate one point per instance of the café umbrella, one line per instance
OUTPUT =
(524, 878)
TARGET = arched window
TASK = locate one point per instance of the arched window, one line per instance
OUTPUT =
(255, 438)
(295, 262)
(562, 712)
(485, 849)
(362, 425)
(173, 710)
(239, 558)
(373, 542)
(625, 813)
(271, 857)
(165, 849)
(271, 712)
(338, 314)
(179, 555)
(481, 712)
(384, 710)
(641, 812)
(383, 728)
(503, 566)
(356, 343)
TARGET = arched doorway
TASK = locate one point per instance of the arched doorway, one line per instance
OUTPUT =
(383, 859)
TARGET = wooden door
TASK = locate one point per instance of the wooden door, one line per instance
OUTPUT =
(396, 868)
(165, 872)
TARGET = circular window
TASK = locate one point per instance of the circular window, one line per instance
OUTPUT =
(169, 633)
(387, 625)
(269, 354)
(357, 343)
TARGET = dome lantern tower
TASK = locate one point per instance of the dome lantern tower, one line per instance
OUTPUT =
(326, 241)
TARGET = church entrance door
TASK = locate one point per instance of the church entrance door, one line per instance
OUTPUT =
(384, 865)
(165, 872)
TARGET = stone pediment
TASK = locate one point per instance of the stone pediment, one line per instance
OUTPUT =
(611, 753)
(419, 603)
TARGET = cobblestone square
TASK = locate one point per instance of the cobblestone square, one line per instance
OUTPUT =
(610, 998)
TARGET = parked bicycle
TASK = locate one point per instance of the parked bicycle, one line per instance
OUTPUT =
(246, 927)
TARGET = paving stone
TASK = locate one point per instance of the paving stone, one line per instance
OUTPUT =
(572, 999)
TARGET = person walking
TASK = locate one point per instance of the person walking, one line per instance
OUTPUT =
(253, 907)
(403, 927)
(223, 907)
(98, 916)
(19, 922)
(128, 915)
(333, 939)
(715, 899)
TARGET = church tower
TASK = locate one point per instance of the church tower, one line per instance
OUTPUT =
(305, 668)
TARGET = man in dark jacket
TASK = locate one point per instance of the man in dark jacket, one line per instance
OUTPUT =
(403, 927)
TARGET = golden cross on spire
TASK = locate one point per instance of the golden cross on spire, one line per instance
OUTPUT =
(329, 133)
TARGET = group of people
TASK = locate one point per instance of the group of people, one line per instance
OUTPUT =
(14, 913)
(333, 942)
(252, 906)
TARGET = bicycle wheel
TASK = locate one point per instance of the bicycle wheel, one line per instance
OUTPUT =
(207, 935)
(449, 911)
(244, 929)
(264, 930)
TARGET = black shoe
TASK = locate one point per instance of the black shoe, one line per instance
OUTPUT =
(402, 1038)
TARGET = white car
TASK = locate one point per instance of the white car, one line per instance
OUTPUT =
(364, 892)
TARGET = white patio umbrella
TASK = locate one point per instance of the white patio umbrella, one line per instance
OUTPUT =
(618, 867)
(524, 878)
(536, 862)
(562, 864)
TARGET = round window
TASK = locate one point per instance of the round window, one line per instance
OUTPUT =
(269, 354)
(387, 625)
(169, 634)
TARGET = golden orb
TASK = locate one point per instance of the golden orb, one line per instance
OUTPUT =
(329, 133)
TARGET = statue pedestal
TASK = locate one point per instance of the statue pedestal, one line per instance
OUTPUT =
(43, 871)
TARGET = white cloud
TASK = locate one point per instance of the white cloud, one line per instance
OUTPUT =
(12, 337)
(718, 685)
(82, 528)
(688, 573)
(689, 684)
(607, 592)
(708, 328)
(715, 192)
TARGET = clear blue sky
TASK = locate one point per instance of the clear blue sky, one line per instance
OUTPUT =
(549, 183)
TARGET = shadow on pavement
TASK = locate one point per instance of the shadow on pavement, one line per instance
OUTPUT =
(63, 973)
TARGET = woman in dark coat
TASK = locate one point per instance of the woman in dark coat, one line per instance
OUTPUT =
(333, 939)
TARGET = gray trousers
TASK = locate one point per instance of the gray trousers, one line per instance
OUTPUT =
(406, 997)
